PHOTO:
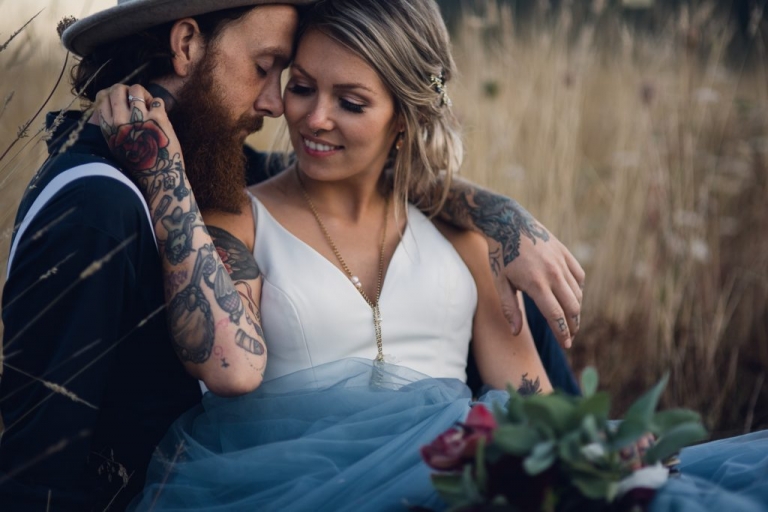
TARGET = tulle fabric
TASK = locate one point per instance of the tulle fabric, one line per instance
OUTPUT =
(720, 476)
(344, 436)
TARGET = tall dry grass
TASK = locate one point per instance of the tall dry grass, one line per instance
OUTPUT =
(646, 155)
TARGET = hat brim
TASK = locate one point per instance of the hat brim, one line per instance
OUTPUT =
(132, 17)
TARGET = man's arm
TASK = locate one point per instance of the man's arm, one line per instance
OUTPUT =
(215, 333)
(523, 256)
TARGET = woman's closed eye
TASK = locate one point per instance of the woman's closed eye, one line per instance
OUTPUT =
(300, 90)
(351, 106)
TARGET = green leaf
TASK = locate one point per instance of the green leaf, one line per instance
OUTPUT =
(516, 439)
(629, 431)
(481, 474)
(593, 488)
(590, 429)
(542, 457)
(469, 486)
(676, 438)
(639, 417)
(449, 486)
(554, 411)
(598, 405)
(642, 410)
(162, 155)
(515, 412)
(589, 381)
(666, 420)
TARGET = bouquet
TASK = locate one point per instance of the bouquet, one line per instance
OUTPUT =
(559, 453)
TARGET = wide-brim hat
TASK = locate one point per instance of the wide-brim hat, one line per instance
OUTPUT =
(132, 16)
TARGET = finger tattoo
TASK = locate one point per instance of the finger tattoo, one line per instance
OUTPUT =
(562, 325)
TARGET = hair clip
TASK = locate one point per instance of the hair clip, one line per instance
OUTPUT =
(438, 84)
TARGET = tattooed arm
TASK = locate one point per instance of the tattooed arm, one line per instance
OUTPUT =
(216, 330)
(501, 357)
(523, 256)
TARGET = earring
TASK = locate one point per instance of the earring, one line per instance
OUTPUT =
(399, 143)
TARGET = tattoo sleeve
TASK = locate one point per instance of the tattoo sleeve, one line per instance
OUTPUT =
(209, 311)
(501, 219)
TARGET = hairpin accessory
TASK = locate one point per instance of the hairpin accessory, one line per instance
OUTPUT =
(438, 84)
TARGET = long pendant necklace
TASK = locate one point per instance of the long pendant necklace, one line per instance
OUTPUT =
(374, 305)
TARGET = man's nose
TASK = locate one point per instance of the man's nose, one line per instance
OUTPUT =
(270, 102)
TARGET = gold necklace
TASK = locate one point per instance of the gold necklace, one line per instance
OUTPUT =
(353, 278)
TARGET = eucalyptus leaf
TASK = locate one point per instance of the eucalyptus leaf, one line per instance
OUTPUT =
(515, 411)
(471, 492)
(553, 411)
(666, 420)
(516, 439)
(450, 488)
(629, 431)
(597, 405)
(540, 459)
(593, 488)
(589, 381)
(676, 438)
(642, 410)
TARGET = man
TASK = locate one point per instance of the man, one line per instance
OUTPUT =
(91, 381)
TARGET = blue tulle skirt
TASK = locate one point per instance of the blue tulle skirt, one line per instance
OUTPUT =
(345, 437)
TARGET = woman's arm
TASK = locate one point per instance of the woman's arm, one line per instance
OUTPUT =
(502, 357)
(215, 331)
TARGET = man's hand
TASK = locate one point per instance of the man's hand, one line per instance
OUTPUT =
(551, 276)
(523, 256)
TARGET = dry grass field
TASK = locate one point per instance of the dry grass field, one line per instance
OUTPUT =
(646, 155)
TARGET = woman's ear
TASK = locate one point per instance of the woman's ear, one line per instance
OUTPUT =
(187, 45)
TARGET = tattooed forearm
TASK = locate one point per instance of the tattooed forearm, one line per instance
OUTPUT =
(249, 344)
(497, 217)
(528, 386)
(174, 280)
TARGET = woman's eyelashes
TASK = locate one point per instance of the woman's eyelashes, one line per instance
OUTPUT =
(353, 107)
(303, 90)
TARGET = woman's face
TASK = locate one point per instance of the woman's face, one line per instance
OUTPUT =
(335, 94)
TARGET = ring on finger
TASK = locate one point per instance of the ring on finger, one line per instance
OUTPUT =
(131, 99)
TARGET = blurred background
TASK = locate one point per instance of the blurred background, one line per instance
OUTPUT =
(636, 131)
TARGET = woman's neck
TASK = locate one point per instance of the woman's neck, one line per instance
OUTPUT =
(353, 200)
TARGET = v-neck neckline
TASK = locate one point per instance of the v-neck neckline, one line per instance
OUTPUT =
(317, 253)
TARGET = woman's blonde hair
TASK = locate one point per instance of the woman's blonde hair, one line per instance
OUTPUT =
(407, 43)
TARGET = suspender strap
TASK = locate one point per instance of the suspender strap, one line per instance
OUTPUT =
(61, 181)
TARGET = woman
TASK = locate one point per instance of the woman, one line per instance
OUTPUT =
(367, 338)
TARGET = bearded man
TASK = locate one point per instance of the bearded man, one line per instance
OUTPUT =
(91, 381)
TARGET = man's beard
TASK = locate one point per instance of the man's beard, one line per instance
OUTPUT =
(212, 143)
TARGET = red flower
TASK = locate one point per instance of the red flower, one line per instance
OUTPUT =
(224, 255)
(456, 445)
(137, 145)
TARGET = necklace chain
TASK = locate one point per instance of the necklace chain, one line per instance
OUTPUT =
(374, 305)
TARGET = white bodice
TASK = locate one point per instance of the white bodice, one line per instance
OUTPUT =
(312, 314)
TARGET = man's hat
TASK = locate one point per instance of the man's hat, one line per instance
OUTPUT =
(132, 16)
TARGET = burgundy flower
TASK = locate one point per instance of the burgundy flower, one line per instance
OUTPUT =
(137, 145)
(458, 444)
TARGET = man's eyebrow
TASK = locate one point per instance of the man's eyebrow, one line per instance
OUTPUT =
(279, 53)
(351, 85)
